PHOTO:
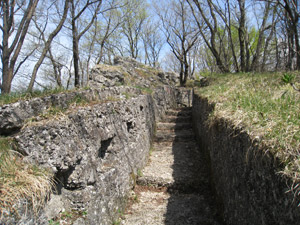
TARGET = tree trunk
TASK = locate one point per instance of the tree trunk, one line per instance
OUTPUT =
(277, 53)
(47, 46)
(242, 28)
(266, 48)
(76, 62)
(297, 47)
(186, 73)
(181, 74)
(6, 76)
(75, 47)
(10, 53)
(101, 53)
(56, 68)
(261, 39)
(7, 80)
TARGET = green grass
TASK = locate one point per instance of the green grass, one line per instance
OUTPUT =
(265, 106)
(144, 90)
(20, 180)
(139, 173)
(68, 217)
(16, 96)
(145, 73)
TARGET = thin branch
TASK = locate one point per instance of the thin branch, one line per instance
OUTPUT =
(24, 60)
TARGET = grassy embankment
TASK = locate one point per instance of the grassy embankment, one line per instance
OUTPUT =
(266, 107)
(20, 181)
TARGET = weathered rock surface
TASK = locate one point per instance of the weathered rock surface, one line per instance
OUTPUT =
(14, 116)
(127, 71)
(245, 177)
(95, 150)
(174, 186)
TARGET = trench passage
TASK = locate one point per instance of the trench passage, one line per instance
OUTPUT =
(174, 186)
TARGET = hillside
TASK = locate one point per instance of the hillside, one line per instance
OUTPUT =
(263, 106)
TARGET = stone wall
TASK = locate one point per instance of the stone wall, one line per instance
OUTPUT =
(14, 116)
(96, 142)
(244, 176)
(94, 152)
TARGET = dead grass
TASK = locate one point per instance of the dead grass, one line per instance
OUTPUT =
(20, 181)
(264, 106)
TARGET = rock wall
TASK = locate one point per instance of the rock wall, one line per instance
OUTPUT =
(245, 177)
(96, 143)
(94, 152)
(14, 116)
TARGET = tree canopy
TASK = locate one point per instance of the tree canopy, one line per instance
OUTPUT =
(54, 43)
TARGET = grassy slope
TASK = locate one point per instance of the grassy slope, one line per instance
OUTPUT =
(17, 96)
(266, 107)
(20, 180)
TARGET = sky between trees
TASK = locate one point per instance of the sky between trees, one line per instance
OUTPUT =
(48, 44)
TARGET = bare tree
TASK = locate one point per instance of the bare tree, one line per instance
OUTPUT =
(134, 17)
(111, 21)
(290, 19)
(199, 11)
(181, 33)
(77, 10)
(47, 44)
(14, 34)
(153, 42)
(261, 37)
(217, 21)
(242, 34)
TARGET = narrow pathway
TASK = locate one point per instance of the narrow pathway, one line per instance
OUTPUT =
(174, 187)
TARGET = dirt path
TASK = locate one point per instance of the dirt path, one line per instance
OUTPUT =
(174, 186)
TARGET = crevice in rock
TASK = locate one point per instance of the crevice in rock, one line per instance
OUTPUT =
(10, 131)
(130, 126)
(104, 146)
(61, 179)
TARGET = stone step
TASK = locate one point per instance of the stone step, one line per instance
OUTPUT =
(162, 146)
(166, 208)
(173, 126)
(177, 167)
(182, 109)
(186, 186)
(177, 119)
(179, 113)
(173, 188)
(171, 136)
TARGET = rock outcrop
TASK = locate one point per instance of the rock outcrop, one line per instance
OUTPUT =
(14, 116)
(125, 77)
(127, 71)
(95, 149)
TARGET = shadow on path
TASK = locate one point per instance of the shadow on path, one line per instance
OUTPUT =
(191, 200)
